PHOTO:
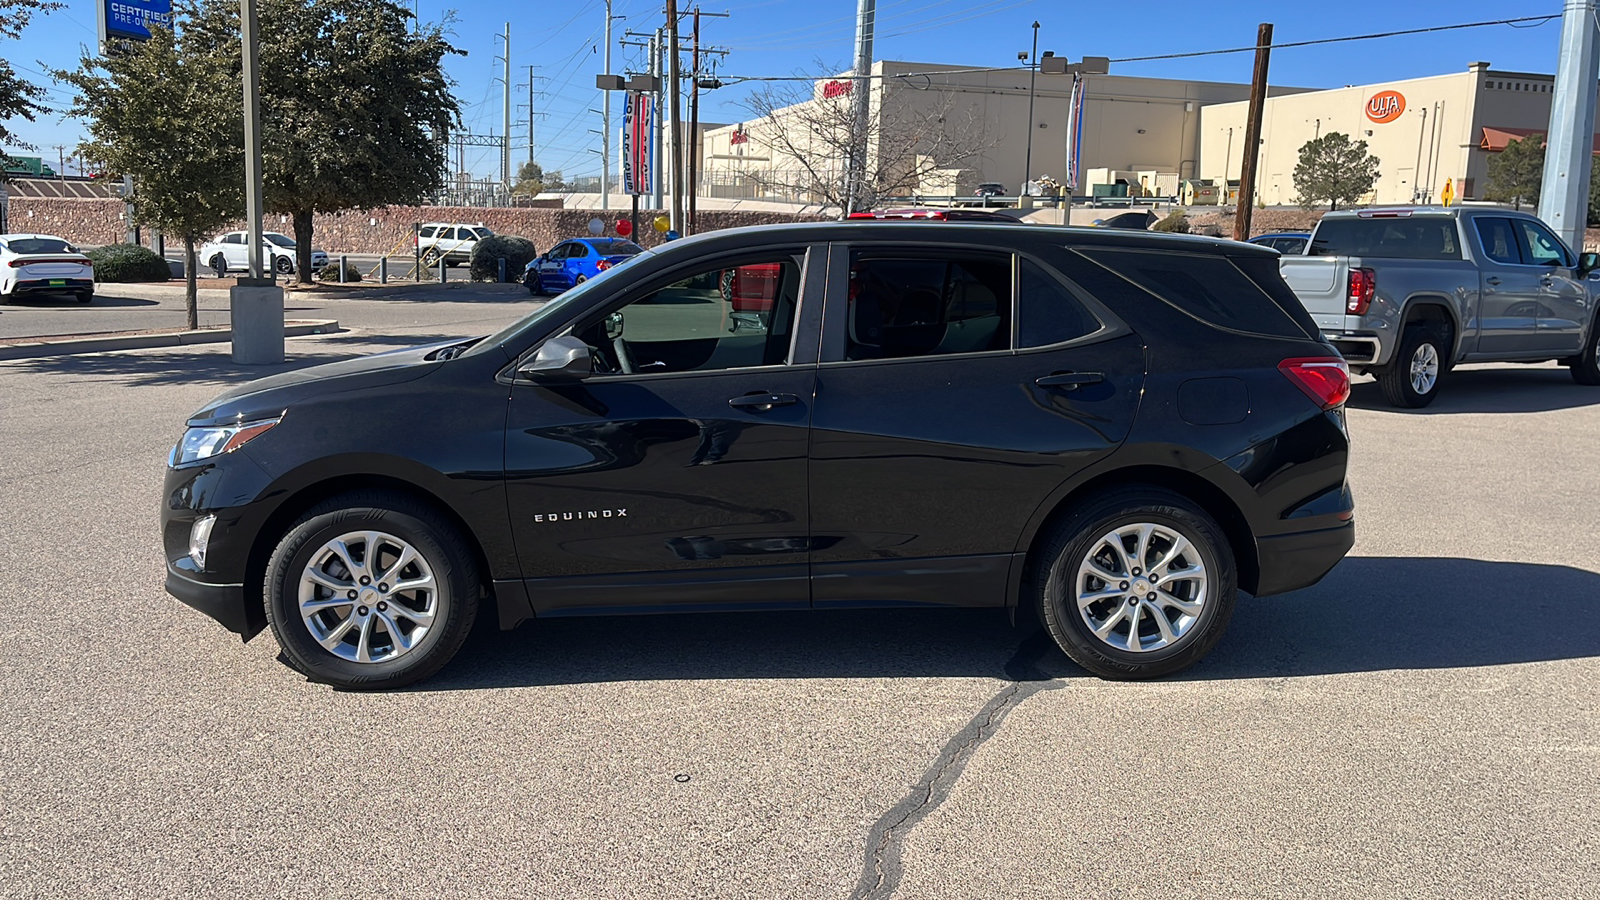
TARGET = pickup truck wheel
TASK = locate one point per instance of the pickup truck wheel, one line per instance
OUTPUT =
(1412, 378)
(1139, 582)
(1586, 368)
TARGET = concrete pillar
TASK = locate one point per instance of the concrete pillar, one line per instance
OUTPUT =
(255, 310)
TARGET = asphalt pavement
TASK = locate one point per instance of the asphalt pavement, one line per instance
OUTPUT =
(1421, 724)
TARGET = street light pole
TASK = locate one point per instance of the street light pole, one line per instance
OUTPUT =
(252, 133)
(1033, 71)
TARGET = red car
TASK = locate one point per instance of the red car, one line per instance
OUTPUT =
(750, 292)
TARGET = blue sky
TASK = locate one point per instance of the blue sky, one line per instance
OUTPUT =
(784, 37)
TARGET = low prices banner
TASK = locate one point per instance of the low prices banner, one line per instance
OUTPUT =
(638, 117)
(1075, 134)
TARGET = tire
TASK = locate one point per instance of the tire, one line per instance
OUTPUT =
(430, 258)
(1586, 368)
(451, 263)
(219, 264)
(1406, 382)
(1196, 610)
(283, 265)
(580, 280)
(85, 296)
(391, 522)
(535, 286)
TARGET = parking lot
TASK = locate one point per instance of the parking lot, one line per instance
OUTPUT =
(1423, 723)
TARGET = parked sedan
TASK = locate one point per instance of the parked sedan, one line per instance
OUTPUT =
(1118, 431)
(230, 253)
(43, 264)
(571, 263)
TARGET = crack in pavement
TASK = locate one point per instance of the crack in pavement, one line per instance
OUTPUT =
(882, 869)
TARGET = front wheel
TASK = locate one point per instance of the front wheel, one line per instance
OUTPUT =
(1411, 379)
(1138, 583)
(283, 264)
(371, 591)
(1586, 368)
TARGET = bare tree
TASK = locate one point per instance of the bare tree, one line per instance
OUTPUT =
(915, 134)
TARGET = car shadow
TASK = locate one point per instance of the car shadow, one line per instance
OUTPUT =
(1505, 389)
(68, 302)
(149, 367)
(1370, 614)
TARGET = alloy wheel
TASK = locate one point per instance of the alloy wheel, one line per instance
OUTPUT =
(1141, 587)
(1424, 368)
(368, 597)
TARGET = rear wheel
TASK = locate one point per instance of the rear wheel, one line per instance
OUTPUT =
(219, 264)
(1586, 367)
(1411, 379)
(1138, 583)
(85, 296)
(371, 591)
(283, 264)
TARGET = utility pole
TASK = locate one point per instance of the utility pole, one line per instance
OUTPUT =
(856, 172)
(657, 199)
(675, 126)
(531, 113)
(61, 157)
(693, 181)
(1252, 135)
(1564, 192)
(505, 149)
(1033, 72)
(605, 124)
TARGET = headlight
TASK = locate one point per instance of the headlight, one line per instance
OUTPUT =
(204, 443)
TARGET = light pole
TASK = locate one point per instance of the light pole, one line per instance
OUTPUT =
(1033, 71)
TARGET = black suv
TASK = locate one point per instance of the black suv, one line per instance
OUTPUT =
(1119, 430)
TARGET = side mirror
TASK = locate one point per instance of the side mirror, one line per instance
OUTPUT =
(614, 325)
(1588, 262)
(562, 358)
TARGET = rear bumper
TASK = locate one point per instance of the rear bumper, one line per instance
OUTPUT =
(53, 285)
(1364, 349)
(1298, 560)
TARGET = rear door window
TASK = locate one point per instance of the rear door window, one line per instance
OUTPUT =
(577, 251)
(1209, 288)
(1047, 311)
(1499, 240)
(908, 304)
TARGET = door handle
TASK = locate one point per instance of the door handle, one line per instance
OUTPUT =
(762, 402)
(1069, 381)
(1491, 280)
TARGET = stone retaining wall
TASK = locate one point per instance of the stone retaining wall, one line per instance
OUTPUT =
(386, 230)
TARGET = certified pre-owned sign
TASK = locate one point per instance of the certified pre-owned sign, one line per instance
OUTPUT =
(1386, 106)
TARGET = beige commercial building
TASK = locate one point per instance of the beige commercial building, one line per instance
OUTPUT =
(1423, 131)
(1134, 129)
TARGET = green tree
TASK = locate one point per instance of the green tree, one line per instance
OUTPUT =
(19, 98)
(1594, 192)
(166, 112)
(1336, 169)
(1516, 172)
(356, 109)
(530, 180)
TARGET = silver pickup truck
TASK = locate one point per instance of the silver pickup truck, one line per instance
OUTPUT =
(1406, 294)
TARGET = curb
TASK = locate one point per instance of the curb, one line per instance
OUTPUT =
(298, 328)
(378, 292)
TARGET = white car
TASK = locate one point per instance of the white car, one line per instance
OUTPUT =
(230, 253)
(43, 264)
(454, 241)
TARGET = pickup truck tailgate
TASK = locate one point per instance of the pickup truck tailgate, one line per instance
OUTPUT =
(1321, 283)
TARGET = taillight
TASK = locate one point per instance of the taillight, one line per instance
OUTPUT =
(1325, 379)
(603, 265)
(1363, 284)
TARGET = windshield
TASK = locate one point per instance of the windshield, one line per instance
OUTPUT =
(282, 240)
(39, 245)
(570, 299)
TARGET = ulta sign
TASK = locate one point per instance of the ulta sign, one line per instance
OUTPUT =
(1386, 106)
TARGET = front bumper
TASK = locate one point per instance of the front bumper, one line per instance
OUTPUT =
(222, 602)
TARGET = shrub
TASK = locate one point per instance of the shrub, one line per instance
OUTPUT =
(126, 263)
(1175, 223)
(486, 256)
(330, 272)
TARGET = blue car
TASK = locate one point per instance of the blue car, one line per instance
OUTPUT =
(571, 263)
(1289, 243)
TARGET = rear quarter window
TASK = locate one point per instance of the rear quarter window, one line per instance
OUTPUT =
(1209, 288)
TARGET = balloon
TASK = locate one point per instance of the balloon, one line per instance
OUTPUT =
(624, 227)
(672, 235)
(596, 227)
(661, 224)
